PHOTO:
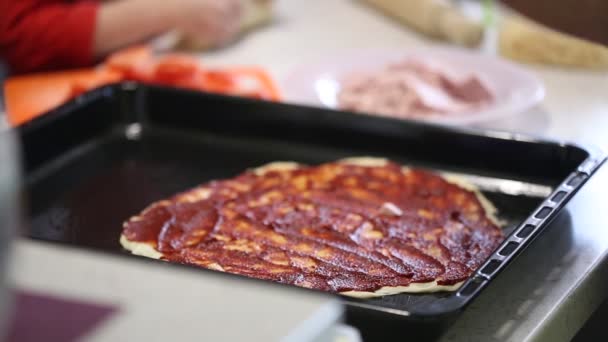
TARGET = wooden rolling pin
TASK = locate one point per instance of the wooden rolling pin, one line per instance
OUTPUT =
(435, 18)
(525, 41)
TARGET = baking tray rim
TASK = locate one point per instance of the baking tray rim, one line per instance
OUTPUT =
(493, 265)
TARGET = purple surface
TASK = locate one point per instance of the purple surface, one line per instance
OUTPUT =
(39, 317)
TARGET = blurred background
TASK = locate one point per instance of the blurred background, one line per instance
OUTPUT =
(523, 67)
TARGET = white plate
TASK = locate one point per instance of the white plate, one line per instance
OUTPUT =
(515, 89)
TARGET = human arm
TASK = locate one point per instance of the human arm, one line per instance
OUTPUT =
(37, 35)
(121, 23)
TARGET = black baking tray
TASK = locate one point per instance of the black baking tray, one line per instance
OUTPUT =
(104, 156)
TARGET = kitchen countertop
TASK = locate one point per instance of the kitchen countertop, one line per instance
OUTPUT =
(546, 294)
(144, 302)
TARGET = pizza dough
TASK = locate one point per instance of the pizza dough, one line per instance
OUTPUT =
(150, 248)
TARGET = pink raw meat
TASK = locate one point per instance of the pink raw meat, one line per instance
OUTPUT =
(413, 89)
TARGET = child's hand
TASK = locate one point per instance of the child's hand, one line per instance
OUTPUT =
(208, 22)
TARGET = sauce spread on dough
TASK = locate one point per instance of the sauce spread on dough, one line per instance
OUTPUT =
(333, 227)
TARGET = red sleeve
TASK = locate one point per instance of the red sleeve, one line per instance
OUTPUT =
(38, 35)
